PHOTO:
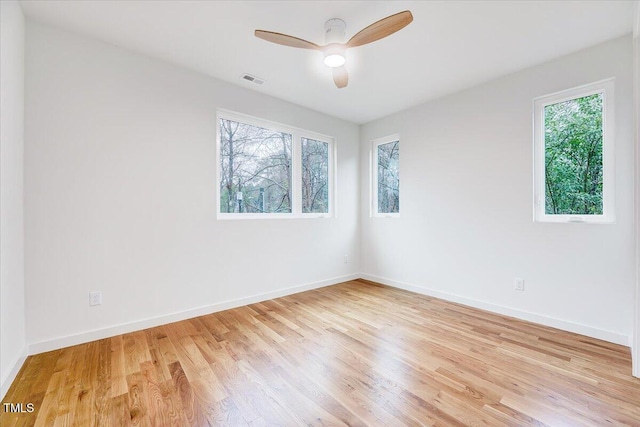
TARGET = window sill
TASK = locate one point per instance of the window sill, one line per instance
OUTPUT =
(576, 219)
(226, 217)
(389, 216)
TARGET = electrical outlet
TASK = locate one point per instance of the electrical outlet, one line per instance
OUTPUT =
(346, 259)
(518, 284)
(95, 298)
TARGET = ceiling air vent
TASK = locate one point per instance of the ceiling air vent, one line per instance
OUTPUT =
(253, 79)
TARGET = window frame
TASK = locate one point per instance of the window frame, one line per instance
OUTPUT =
(373, 154)
(296, 167)
(606, 88)
(330, 176)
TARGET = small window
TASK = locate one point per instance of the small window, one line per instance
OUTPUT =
(315, 176)
(386, 176)
(269, 170)
(573, 155)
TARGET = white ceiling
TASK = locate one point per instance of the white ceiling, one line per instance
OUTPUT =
(451, 45)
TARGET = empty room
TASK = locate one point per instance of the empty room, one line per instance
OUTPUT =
(356, 213)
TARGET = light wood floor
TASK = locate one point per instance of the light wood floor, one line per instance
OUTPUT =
(350, 354)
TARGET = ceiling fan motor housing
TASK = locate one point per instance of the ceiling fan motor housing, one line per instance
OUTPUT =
(334, 31)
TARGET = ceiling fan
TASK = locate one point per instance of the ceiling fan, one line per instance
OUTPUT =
(334, 50)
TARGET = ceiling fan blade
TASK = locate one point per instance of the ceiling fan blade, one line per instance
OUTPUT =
(340, 77)
(380, 29)
(285, 40)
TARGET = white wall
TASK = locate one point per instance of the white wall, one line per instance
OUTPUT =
(12, 310)
(120, 196)
(466, 228)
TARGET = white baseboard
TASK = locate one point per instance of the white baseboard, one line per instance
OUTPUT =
(635, 345)
(96, 334)
(577, 328)
(8, 377)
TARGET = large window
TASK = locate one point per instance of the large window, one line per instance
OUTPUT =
(268, 170)
(573, 139)
(255, 169)
(386, 176)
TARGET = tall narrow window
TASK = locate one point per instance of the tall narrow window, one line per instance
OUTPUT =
(270, 170)
(386, 176)
(574, 155)
(315, 176)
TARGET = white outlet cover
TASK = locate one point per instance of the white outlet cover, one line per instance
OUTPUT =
(95, 298)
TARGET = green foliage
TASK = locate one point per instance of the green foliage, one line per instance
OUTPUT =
(573, 156)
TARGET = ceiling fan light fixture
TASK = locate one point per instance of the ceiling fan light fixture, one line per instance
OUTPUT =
(334, 60)
(334, 56)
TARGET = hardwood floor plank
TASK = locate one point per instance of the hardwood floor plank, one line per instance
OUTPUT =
(236, 385)
(192, 412)
(139, 400)
(119, 412)
(319, 397)
(68, 399)
(103, 382)
(354, 354)
(50, 404)
(118, 370)
(273, 408)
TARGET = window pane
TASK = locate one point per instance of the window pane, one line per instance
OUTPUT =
(315, 176)
(255, 169)
(573, 156)
(388, 178)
